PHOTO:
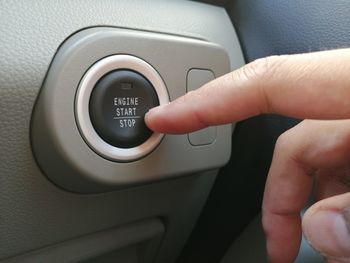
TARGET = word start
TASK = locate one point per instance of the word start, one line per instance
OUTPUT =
(125, 111)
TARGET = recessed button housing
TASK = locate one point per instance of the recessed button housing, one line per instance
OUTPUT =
(118, 104)
(66, 142)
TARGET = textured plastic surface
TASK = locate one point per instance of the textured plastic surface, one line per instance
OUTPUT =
(274, 27)
(34, 212)
(132, 243)
(59, 147)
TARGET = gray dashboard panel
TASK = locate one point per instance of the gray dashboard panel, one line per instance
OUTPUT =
(132, 243)
(34, 212)
(286, 27)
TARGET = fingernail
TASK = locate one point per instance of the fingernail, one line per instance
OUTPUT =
(152, 110)
(328, 232)
(156, 109)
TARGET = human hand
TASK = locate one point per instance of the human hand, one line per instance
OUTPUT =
(310, 86)
(311, 150)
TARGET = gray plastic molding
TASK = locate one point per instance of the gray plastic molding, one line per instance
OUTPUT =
(136, 242)
(60, 148)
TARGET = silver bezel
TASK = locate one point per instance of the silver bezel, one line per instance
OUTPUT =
(88, 82)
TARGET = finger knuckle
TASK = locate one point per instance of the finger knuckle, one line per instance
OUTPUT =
(263, 71)
(263, 67)
(284, 141)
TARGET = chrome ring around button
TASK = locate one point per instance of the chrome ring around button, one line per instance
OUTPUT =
(86, 86)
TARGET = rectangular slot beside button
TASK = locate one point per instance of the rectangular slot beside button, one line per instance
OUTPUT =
(195, 79)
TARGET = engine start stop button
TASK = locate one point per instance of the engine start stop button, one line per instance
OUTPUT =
(111, 102)
(118, 104)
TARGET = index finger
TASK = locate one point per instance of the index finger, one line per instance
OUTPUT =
(314, 86)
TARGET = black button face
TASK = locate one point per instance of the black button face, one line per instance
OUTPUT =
(118, 104)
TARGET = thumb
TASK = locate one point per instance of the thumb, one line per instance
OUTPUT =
(326, 225)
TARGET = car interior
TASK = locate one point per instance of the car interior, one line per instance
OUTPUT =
(82, 178)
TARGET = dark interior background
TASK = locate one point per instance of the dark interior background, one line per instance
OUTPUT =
(264, 27)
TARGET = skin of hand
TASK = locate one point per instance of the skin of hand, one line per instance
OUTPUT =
(312, 149)
(306, 86)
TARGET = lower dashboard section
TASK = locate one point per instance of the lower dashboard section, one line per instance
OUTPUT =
(132, 243)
